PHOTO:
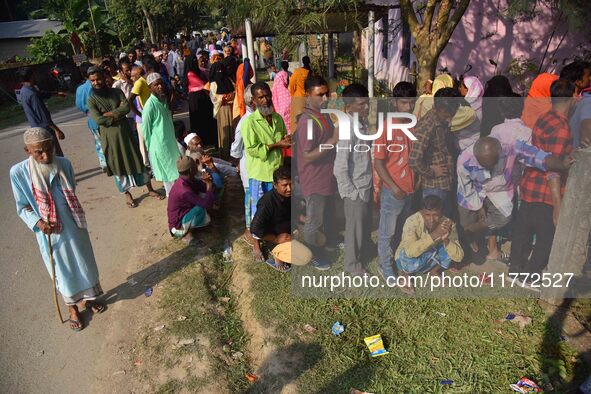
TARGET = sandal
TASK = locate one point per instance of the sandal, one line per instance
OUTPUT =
(95, 307)
(273, 264)
(248, 241)
(131, 204)
(78, 322)
(258, 256)
(156, 195)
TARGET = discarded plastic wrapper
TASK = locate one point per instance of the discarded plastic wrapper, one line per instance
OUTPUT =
(510, 316)
(446, 382)
(251, 377)
(526, 386)
(376, 345)
(337, 328)
(148, 292)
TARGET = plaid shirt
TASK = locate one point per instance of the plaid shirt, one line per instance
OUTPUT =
(432, 148)
(551, 134)
(475, 182)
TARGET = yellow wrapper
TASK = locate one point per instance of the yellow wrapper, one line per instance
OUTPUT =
(376, 345)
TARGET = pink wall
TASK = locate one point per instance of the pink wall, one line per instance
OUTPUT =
(507, 40)
(486, 34)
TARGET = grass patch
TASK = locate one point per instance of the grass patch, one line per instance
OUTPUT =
(429, 340)
(12, 114)
(195, 293)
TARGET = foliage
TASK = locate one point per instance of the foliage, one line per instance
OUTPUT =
(88, 19)
(48, 47)
(522, 71)
(575, 11)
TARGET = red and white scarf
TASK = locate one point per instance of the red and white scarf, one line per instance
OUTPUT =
(45, 201)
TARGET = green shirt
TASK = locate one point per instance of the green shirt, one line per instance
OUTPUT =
(257, 134)
(158, 131)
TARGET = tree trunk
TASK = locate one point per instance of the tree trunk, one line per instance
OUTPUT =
(426, 70)
(569, 248)
(152, 37)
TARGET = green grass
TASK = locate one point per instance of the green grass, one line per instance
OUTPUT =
(467, 345)
(12, 114)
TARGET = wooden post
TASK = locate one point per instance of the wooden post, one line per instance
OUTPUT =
(250, 46)
(569, 247)
(330, 49)
(370, 52)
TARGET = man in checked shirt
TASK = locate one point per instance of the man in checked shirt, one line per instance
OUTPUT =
(541, 192)
(431, 156)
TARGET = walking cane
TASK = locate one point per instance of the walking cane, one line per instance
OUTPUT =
(52, 262)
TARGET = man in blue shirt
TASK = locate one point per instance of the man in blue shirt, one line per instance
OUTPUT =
(35, 110)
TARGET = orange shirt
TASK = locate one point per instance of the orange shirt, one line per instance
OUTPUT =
(396, 163)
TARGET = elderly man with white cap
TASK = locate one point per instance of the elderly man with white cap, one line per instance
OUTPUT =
(189, 200)
(45, 193)
(159, 134)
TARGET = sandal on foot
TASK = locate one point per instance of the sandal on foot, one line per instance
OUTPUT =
(96, 307)
(131, 204)
(248, 241)
(78, 322)
(258, 256)
(157, 195)
(273, 264)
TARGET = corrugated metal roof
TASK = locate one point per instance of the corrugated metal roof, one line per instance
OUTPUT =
(28, 28)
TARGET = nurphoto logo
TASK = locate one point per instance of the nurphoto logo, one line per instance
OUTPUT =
(388, 121)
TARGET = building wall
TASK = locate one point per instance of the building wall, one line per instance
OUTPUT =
(486, 34)
(11, 47)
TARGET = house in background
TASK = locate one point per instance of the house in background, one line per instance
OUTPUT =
(16, 36)
(543, 43)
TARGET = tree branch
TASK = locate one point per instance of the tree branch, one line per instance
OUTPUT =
(428, 18)
(408, 13)
(452, 23)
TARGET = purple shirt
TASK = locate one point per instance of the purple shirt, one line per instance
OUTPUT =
(185, 194)
(315, 177)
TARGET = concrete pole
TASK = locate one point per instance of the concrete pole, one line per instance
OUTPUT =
(330, 56)
(370, 52)
(302, 51)
(244, 49)
(250, 46)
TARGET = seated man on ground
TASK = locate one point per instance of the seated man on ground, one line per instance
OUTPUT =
(272, 223)
(429, 241)
(189, 200)
(195, 150)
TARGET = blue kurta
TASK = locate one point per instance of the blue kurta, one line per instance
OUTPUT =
(75, 266)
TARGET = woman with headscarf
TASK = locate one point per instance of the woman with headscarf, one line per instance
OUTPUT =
(472, 90)
(297, 91)
(497, 86)
(201, 117)
(538, 99)
(222, 96)
(243, 75)
(425, 101)
(281, 96)
(282, 99)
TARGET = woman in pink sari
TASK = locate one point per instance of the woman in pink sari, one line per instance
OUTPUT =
(281, 96)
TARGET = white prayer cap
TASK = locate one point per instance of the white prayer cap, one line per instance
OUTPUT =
(122, 55)
(152, 77)
(35, 135)
(189, 137)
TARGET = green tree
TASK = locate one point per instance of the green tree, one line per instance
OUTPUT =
(47, 47)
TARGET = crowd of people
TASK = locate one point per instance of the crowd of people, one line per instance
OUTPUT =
(485, 164)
